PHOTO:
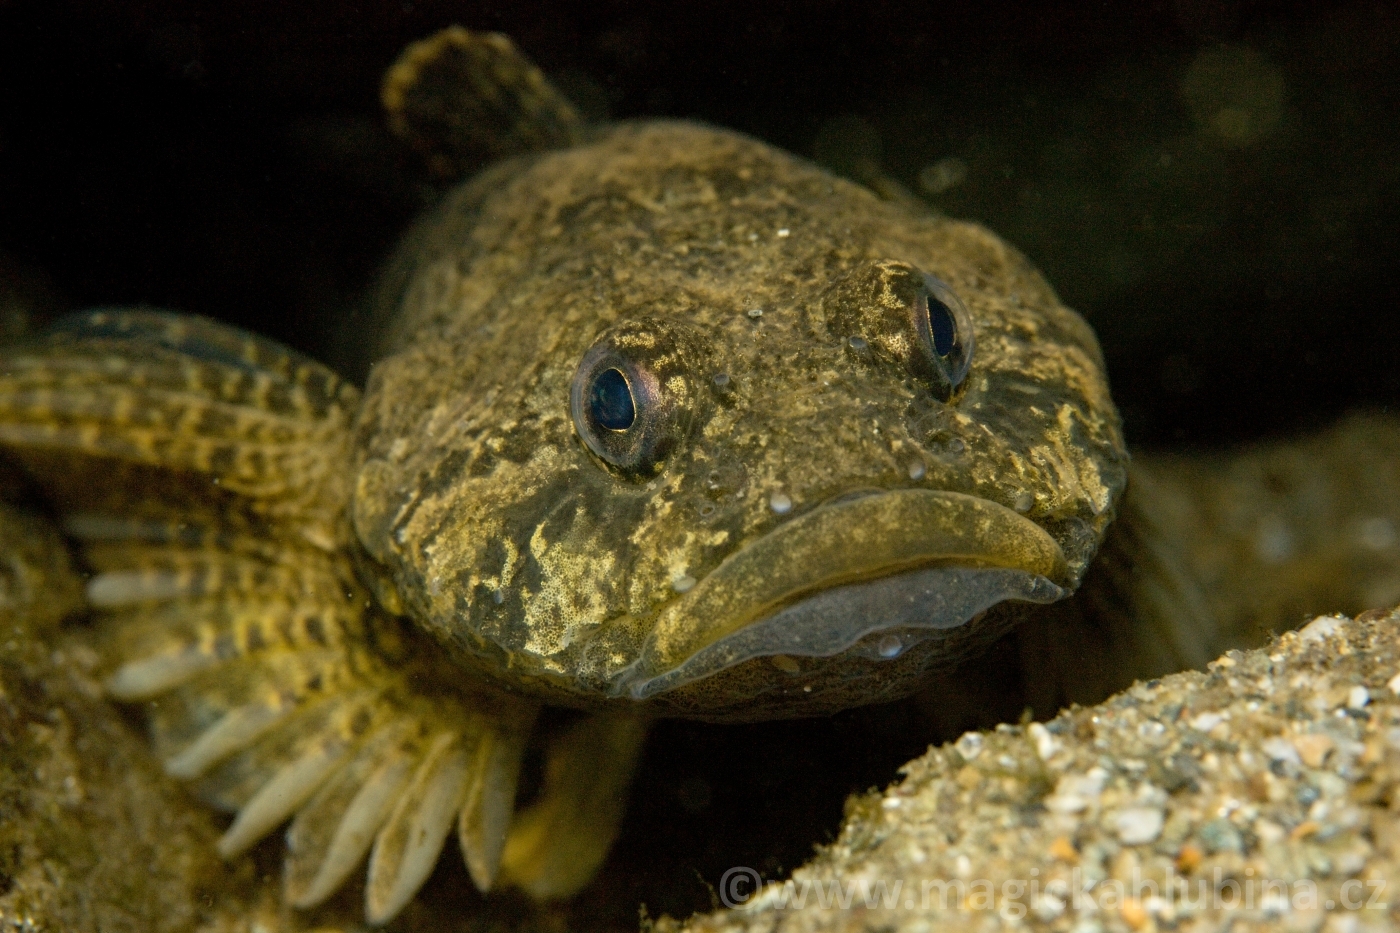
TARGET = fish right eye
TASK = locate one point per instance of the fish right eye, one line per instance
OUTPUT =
(904, 316)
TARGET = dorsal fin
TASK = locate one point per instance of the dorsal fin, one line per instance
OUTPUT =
(464, 98)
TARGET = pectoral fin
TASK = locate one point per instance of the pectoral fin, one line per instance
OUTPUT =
(204, 474)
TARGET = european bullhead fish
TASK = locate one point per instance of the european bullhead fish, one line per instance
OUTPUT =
(661, 421)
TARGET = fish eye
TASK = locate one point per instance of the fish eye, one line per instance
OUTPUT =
(634, 398)
(945, 331)
(610, 401)
(889, 311)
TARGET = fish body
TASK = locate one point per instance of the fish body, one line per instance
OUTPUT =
(661, 421)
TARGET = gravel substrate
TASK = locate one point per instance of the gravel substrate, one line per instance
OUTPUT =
(1259, 795)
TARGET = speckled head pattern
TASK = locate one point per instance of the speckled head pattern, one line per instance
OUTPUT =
(645, 395)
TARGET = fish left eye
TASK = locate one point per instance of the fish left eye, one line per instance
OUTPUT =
(634, 398)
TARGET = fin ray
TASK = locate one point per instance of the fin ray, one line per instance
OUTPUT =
(331, 835)
(408, 845)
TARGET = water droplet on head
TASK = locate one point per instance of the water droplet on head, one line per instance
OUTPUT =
(683, 583)
(785, 664)
(917, 470)
(498, 596)
(857, 344)
(889, 647)
(957, 446)
(755, 313)
(1024, 501)
(721, 380)
(707, 510)
(780, 503)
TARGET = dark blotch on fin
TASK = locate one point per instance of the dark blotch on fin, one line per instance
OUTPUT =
(465, 98)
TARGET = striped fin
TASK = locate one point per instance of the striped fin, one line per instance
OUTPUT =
(182, 394)
(281, 697)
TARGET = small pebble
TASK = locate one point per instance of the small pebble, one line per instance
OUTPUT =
(1046, 745)
(1075, 792)
(1133, 913)
(1207, 721)
(1048, 905)
(1321, 628)
(1313, 748)
(1220, 836)
(1304, 829)
(1394, 685)
(1063, 849)
(784, 232)
(1280, 749)
(1358, 697)
(755, 313)
(969, 746)
(1138, 825)
(1188, 858)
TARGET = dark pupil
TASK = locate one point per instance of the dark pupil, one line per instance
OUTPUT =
(611, 401)
(945, 332)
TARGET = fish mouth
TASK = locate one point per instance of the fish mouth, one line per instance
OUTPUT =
(913, 560)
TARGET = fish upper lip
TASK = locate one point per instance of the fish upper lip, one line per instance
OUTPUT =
(847, 540)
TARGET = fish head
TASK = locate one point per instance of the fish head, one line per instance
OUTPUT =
(679, 419)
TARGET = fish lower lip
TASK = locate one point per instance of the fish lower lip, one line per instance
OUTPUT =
(821, 582)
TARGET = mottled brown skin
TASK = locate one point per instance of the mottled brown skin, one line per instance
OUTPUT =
(230, 497)
(509, 541)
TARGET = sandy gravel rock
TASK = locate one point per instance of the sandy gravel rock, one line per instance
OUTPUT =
(1259, 795)
(92, 835)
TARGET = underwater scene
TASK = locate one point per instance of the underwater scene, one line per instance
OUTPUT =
(598, 467)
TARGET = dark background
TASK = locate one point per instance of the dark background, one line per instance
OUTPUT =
(229, 159)
(1228, 229)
